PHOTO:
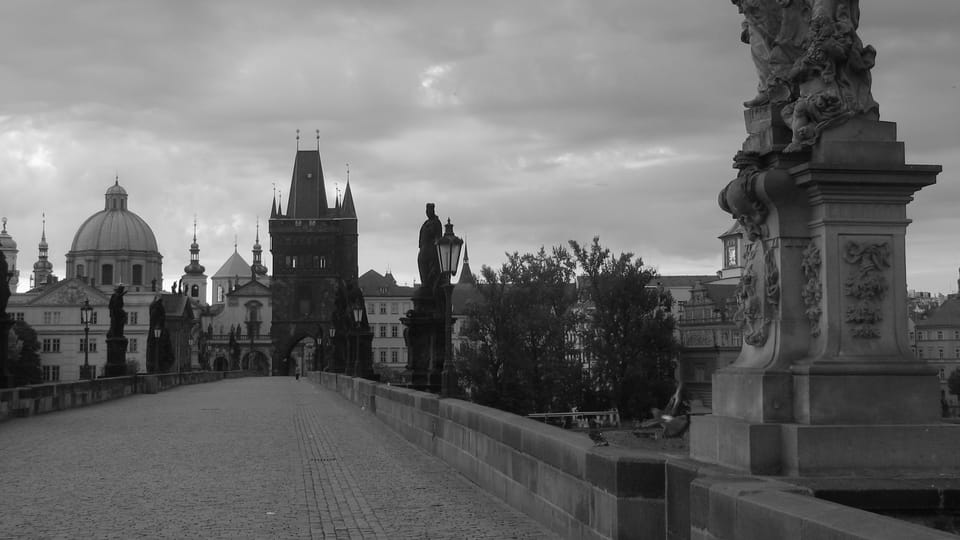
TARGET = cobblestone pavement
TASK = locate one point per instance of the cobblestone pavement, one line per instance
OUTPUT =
(243, 458)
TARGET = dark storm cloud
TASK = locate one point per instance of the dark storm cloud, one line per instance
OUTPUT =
(528, 123)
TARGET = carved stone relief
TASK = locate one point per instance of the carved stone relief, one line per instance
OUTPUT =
(866, 284)
(758, 294)
(812, 292)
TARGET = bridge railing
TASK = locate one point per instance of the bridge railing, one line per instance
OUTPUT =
(579, 419)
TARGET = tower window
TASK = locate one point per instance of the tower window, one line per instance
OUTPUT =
(138, 274)
(194, 291)
(106, 274)
(79, 270)
(730, 258)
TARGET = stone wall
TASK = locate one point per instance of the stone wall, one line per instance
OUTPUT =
(582, 491)
(49, 397)
(557, 477)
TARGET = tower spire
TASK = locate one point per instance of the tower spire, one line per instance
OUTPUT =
(298, 140)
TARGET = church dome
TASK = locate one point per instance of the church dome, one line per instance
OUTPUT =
(114, 228)
(6, 241)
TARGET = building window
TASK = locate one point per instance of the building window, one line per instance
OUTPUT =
(940, 354)
(132, 345)
(939, 335)
(383, 330)
(131, 318)
(919, 352)
(370, 309)
(138, 274)
(942, 374)
(911, 336)
(51, 373)
(394, 330)
(383, 356)
(106, 274)
(194, 291)
(79, 270)
(51, 317)
(394, 308)
(394, 356)
(220, 295)
(383, 309)
(51, 345)
(18, 316)
(730, 253)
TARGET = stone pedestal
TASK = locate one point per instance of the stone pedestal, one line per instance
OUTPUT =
(6, 323)
(424, 339)
(116, 357)
(826, 383)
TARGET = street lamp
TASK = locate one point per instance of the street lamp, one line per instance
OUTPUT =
(86, 311)
(448, 251)
(357, 319)
(157, 332)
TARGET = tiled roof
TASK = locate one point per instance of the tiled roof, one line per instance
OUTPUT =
(235, 266)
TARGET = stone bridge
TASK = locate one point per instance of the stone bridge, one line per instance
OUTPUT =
(340, 457)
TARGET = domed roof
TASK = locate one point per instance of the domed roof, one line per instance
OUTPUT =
(6, 241)
(114, 227)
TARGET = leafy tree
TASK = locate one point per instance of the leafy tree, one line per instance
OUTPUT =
(628, 334)
(23, 354)
(519, 352)
(953, 382)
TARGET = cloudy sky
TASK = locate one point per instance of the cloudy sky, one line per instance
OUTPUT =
(527, 123)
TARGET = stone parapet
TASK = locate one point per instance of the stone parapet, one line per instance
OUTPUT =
(557, 477)
(43, 398)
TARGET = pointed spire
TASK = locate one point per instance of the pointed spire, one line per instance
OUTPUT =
(466, 276)
(273, 202)
(257, 268)
(298, 140)
(347, 209)
(43, 268)
(318, 140)
(194, 268)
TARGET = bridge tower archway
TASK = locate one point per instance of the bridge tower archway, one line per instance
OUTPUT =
(305, 351)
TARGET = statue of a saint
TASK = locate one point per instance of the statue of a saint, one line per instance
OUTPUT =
(5, 276)
(427, 260)
(118, 317)
(810, 63)
(157, 313)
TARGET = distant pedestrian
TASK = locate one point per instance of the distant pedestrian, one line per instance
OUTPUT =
(297, 371)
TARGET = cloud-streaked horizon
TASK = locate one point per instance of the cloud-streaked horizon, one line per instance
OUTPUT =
(527, 123)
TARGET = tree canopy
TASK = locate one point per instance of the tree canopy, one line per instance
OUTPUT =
(539, 342)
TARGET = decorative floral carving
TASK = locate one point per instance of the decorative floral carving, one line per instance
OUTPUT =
(810, 61)
(867, 284)
(812, 292)
(758, 294)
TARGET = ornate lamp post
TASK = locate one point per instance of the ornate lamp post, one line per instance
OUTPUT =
(357, 320)
(448, 250)
(157, 332)
(86, 312)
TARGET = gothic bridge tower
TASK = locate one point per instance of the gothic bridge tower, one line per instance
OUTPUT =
(314, 251)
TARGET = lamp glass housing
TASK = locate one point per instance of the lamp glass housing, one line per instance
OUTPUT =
(448, 250)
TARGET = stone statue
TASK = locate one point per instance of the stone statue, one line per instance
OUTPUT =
(118, 317)
(157, 313)
(427, 260)
(5, 276)
(810, 63)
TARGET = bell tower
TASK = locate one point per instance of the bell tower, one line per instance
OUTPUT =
(314, 250)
